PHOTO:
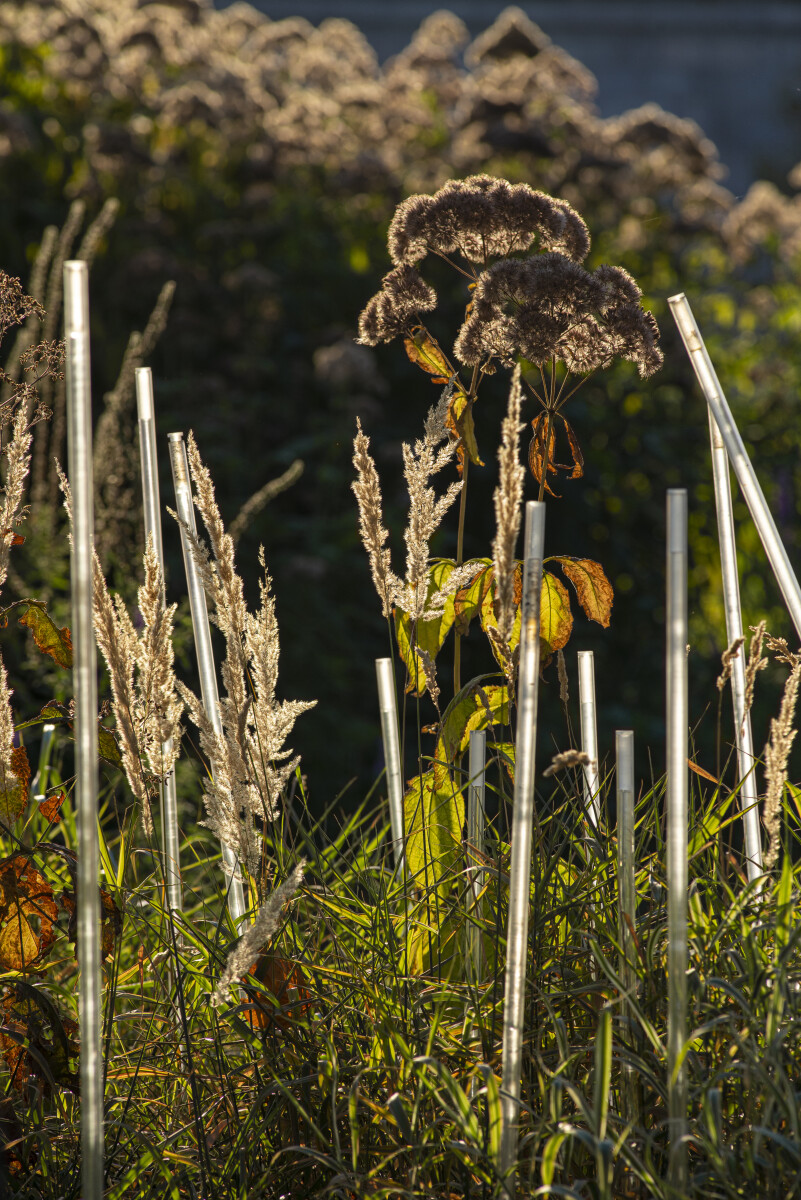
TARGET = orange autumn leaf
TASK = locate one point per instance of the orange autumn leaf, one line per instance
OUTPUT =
(286, 981)
(14, 798)
(28, 912)
(51, 807)
(51, 640)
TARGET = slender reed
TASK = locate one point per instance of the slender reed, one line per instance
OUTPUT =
(734, 633)
(79, 407)
(152, 514)
(203, 649)
(589, 737)
(522, 830)
(677, 793)
(746, 477)
(389, 732)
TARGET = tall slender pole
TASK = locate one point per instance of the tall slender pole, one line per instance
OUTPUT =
(389, 731)
(734, 631)
(589, 737)
(746, 477)
(79, 429)
(677, 794)
(522, 831)
(476, 824)
(152, 509)
(626, 896)
(205, 657)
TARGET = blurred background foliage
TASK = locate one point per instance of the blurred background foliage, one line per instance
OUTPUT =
(257, 164)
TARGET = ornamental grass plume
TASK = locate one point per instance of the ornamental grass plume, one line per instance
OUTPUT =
(250, 945)
(250, 765)
(508, 500)
(777, 752)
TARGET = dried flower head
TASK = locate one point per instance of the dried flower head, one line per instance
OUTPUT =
(727, 658)
(481, 218)
(548, 307)
(777, 752)
(396, 308)
(567, 759)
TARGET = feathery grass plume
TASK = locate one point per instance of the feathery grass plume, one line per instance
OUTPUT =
(508, 499)
(430, 672)
(777, 752)
(18, 458)
(250, 945)
(250, 765)
(565, 760)
(367, 489)
(780, 648)
(726, 660)
(146, 708)
(8, 778)
(755, 663)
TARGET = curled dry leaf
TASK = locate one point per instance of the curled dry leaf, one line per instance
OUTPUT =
(50, 808)
(51, 640)
(28, 912)
(593, 589)
(14, 800)
(424, 352)
(286, 982)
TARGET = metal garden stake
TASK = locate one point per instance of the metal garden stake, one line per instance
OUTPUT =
(152, 508)
(205, 658)
(522, 830)
(626, 896)
(79, 431)
(476, 822)
(389, 732)
(589, 737)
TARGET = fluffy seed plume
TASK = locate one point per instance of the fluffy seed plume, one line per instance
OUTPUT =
(755, 664)
(726, 660)
(508, 499)
(18, 457)
(367, 490)
(565, 760)
(250, 945)
(777, 752)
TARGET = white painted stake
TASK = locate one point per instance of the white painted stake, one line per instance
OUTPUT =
(746, 477)
(522, 831)
(734, 631)
(389, 732)
(205, 658)
(626, 899)
(171, 848)
(677, 794)
(476, 825)
(589, 737)
(79, 432)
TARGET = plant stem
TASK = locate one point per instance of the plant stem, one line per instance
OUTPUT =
(457, 650)
(544, 474)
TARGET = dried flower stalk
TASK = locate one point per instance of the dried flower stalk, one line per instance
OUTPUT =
(777, 752)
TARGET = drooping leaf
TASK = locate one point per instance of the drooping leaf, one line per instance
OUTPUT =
(593, 589)
(575, 450)
(108, 748)
(53, 712)
(460, 422)
(433, 821)
(50, 808)
(475, 707)
(287, 983)
(468, 600)
(14, 797)
(425, 635)
(489, 611)
(424, 352)
(46, 634)
(556, 619)
(538, 452)
(37, 1040)
(28, 912)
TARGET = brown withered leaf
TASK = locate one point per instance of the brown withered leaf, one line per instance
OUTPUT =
(47, 635)
(28, 912)
(459, 421)
(593, 589)
(14, 798)
(50, 808)
(537, 452)
(575, 450)
(37, 1040)
(426, 354)
(284, 980)
(17, 539)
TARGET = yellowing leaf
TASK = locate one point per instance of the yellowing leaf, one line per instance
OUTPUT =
(27, 913)
(425, 635)
(475, 707)
(556, 619)
(47, 635)
(460, 422)
(14, 796)
(425, 353)
(108, 748)
(433, 821)
(489, 611)
(593, 589)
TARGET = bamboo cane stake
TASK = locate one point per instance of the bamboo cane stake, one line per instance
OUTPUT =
(389, 732)
(589, 737)
(626, 895)
(79, 429)
(205, 656)
(734, 631)
(522, 830)
(152, 510)
(476, 824)
(677, 793)
(738, 456)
